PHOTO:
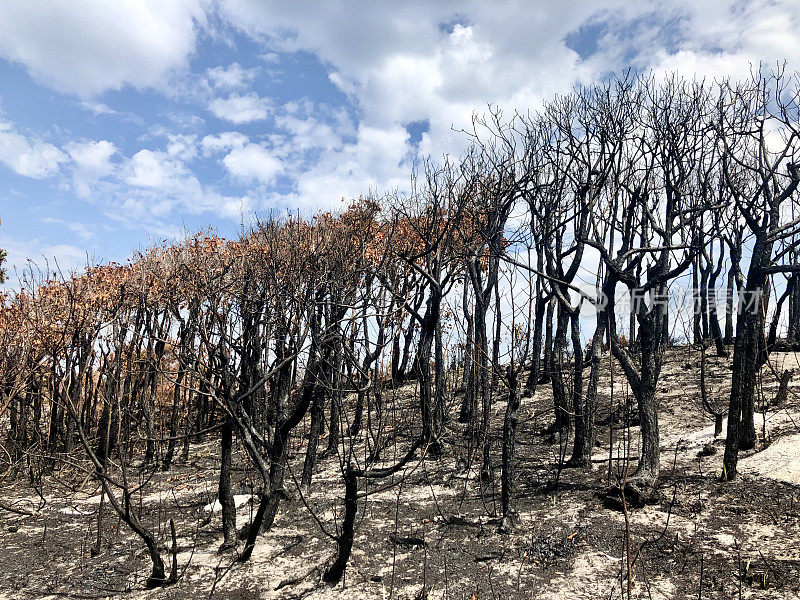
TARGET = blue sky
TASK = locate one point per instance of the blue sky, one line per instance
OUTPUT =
(128, 122)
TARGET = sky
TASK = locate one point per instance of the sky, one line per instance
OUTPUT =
(125, 123)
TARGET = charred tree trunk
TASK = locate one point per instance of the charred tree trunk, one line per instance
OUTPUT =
(548, 344)
(772, 336)
(439, 381)
(344, 541)
(509, 442)
(334, 425)
(560, 400)
(315, 430)
(648, 469)
(466, 414)
(536, 352)
(711, 303)
(793, 334)
(730, 298)
(408, 337)
(427, 391)
(496, 341)
(225, 492)
(705, 271)
(643, 379)
(583, 440)
(582, 453)
(270, 499)
(697, 332)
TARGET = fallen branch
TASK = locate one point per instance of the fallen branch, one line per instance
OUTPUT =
(19, 511)
(298, 579)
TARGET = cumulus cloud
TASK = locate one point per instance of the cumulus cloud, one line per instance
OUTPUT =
(234, 76)
(227, 140)
(28, 157)
(727, 39)
(419, 62)
(375, 160)
(389, 67)
(91, 161)
(307, 126)
(440, 62)
(88, 47)
(155, 169)
(92, 157)
(252, 162)
(153, 185)
(182, 146)
(240, 109)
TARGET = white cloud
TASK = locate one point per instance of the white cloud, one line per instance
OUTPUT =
(88, 47)
(154, 169)
(432, 62)
(309, 127)
(79, 229)
(729, 39)
(252, 162)
(91, 161)
(98, 108)
(28, 157)
(439, 62)
(376, 160)
(227, 140)
(182, 146)
(92, 157)
(230, 78)
(422, 61)
(241, 108)
(153, 185)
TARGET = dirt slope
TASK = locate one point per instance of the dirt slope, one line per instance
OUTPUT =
(743, 535)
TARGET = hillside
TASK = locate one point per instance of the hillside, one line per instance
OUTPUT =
(435, 525)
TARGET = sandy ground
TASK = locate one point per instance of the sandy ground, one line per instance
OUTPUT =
(743, 536)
